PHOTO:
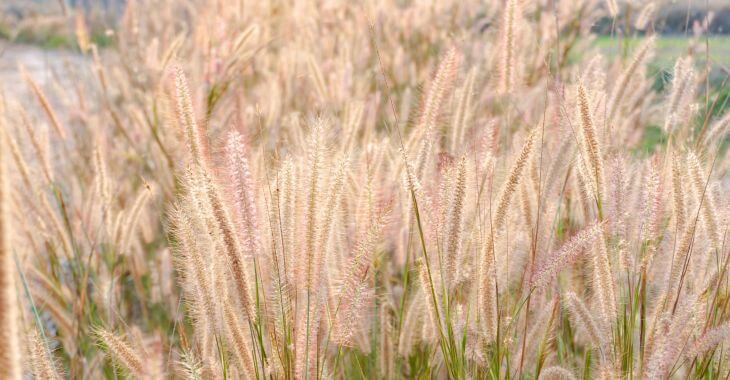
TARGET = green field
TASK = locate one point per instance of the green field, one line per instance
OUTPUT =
(669, 48)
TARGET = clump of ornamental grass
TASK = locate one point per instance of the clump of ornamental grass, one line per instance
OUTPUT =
(448, 190)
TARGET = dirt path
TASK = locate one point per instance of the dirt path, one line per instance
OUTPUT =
(42, 64)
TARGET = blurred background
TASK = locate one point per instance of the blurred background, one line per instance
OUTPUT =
(42, 35)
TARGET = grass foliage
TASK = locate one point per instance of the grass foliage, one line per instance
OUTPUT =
(301, 190)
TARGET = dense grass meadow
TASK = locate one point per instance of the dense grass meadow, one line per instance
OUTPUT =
(295, 189)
